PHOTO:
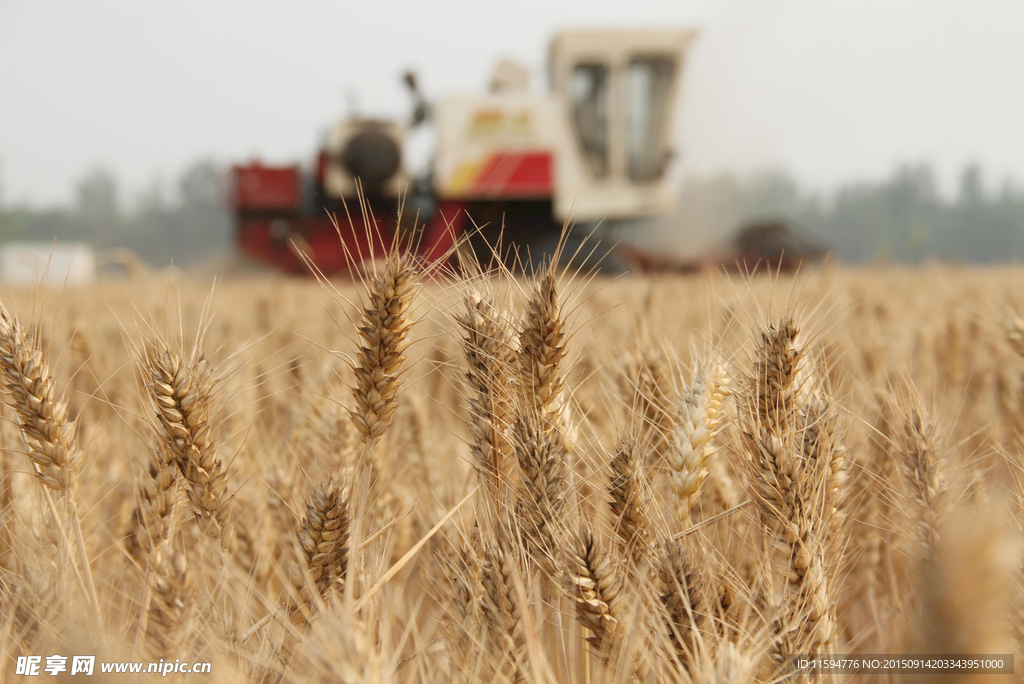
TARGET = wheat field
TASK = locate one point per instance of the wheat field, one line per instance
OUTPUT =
(537, 479)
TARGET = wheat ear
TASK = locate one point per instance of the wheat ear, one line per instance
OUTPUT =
(536, 433)
(324, 541)
(51, 438)
(541, 508)
(628, 501)
(182, 394)
(499, 607)
(541, 350)
(172, 602)
(152, 516)
(823, 440)
(1014, 329)
(383, 329)
(731, 666)
(598, 590)
(683, 595)
(40, 411)
(487, 347)
(601, 607)
(645, 386)
(923, 475)
(698, 421)
(463, 628)
(794, 497)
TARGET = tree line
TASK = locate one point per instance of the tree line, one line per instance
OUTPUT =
(185, 229)
(902, 218)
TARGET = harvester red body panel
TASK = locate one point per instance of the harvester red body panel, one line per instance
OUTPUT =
(515, 175)
(275, 226)
(257, 188)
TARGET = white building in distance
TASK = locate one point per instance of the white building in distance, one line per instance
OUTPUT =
(32, 263)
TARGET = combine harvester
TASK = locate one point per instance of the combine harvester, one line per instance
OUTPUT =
(515, 163)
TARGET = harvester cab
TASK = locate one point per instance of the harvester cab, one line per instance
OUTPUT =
(616, 94)
(513, 163)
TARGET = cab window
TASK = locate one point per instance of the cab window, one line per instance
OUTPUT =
(647, 92)
(588, 96)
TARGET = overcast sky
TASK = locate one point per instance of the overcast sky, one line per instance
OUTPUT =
(831, 90)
